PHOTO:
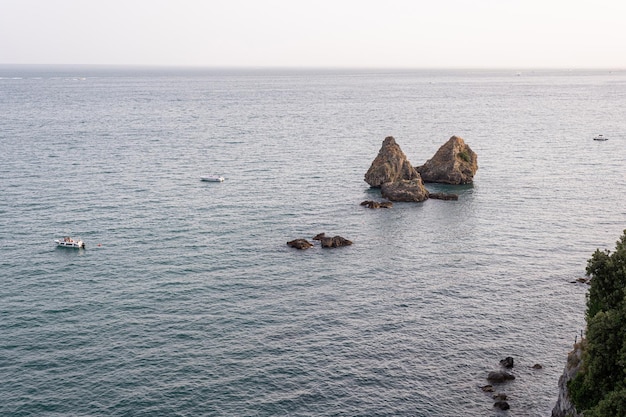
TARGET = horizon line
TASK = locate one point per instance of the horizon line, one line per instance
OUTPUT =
(314, 67)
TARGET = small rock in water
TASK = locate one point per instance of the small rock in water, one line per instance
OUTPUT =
(443, 196)
(300, 244)
(507, 362)
(334, 242)
(499, 376)
(502, 405)
(375, 204)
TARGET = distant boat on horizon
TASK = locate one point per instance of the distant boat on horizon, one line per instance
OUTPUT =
(600, 138)
(212, 178)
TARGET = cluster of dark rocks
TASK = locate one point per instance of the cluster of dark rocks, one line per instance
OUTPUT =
(325, 242)
(500, 377)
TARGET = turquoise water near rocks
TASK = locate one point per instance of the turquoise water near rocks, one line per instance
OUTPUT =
(187, 300)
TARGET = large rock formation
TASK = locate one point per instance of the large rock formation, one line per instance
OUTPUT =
(454, 163)
(564, 406)
(394, 174)
(390, 165)
(404, 190)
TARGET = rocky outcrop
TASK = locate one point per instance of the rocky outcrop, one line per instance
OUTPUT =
(390, 165)
(300, 244)
(499, 376)
(332, 242)
(454, 163)
(404, 190)
(443, 196)
(564, 406)
(375, 204)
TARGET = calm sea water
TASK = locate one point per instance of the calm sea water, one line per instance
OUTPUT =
(188, 302)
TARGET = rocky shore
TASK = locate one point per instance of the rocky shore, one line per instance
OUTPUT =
(564, 406)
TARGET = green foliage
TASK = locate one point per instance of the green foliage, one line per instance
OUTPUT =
(613, 405)
(599, 388)
(464, 156)
(581, 394)
(608, 273)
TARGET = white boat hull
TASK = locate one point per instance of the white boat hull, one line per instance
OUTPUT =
(76, 244)
(212, 179)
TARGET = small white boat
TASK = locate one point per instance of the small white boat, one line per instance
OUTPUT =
(212, 178)
(68, 242)
(600, 137)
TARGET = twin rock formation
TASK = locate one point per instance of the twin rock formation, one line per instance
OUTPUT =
(398, 180)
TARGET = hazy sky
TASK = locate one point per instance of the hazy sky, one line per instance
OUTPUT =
(316, 33)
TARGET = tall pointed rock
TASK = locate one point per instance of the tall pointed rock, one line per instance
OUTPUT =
(391, 165)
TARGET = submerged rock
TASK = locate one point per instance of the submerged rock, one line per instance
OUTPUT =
(507, 362)
(502, 405)
(500, 396)
(443, 196)
(404, 190)
(390, 165)
(375, 204)
(332, 242)
(454, 163)
(499, 376)
(300, 244)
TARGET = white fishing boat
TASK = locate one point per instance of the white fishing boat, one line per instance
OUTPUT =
(212, 178)
(68, 242)
(600, 138)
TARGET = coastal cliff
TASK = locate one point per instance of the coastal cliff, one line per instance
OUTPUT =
(564, 406)
(595, 376)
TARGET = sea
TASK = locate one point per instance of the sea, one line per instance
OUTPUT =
(187, 301)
